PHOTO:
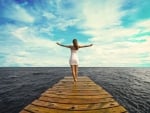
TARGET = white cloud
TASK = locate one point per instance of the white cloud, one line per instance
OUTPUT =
(99, 19)
(122, 53)
(62, 24)
(18, 13)
(110, 39)
(28, 36)
(145, 24)
(38, 58)
(49, 15)
(36, 51)
(98, 15)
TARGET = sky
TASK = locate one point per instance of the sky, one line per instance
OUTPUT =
(118, 29)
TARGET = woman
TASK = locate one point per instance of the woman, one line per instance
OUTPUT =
(74, 57)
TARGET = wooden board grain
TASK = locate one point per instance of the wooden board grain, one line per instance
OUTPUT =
(83, 97)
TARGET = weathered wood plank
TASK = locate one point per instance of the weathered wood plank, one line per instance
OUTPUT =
(77, 87)
(102, 91)
(78, 107)
(77, 96)
(78, 83)
(71, 88)
(75, 100)
(39, 109)
(83, 97)
(76, 93)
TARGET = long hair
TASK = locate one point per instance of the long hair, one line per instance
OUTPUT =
(75, 44)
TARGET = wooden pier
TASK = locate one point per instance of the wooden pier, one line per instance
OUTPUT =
(83, 97)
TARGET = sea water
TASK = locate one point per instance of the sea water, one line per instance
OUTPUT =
(20, 86)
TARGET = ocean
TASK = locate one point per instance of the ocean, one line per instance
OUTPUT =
(20, 86)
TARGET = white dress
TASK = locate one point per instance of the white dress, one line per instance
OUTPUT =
(74, 57)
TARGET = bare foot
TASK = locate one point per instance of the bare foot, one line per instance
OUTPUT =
(74, 82)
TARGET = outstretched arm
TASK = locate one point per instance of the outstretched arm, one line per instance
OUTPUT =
(86, 46)
(63, 45)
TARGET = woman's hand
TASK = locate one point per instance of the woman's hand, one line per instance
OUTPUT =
(58, 43)
(91, 44)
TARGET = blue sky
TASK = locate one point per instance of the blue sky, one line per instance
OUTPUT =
(119, 30)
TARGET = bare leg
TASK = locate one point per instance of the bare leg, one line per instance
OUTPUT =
(76, 71)
(73, 72)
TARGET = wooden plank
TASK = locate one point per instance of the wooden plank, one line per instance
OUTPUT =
(83, 97)
(80, 88)
(78, 83)
(76, 87)
(77, 96)
(78, 107)
(76, 93)
(24, 111)
(80, 77)
(39, 109)
(75, 100)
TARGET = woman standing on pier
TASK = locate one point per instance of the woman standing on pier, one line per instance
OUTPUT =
(74, 57)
